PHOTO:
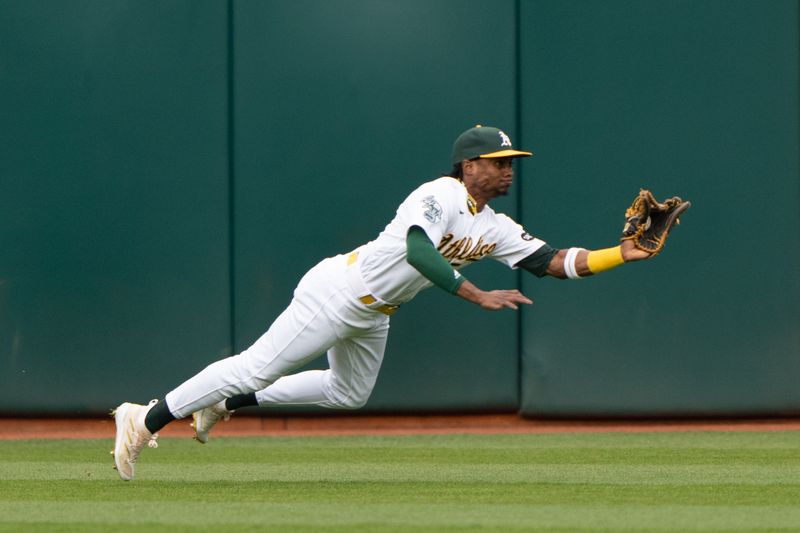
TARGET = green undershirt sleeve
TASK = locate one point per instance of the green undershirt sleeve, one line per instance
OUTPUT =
(538, 261)
(423, 255)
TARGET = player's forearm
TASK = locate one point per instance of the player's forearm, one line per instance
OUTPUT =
(470, 292)
(558, 269)
(579, 263)
(422, 255)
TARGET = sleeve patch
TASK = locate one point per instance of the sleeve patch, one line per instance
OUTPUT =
(433, 211)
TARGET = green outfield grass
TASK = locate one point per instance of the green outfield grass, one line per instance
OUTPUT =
(701, 481)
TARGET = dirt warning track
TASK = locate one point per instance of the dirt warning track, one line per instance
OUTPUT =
(61, 428)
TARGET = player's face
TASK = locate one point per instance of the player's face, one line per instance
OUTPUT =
(494, 176)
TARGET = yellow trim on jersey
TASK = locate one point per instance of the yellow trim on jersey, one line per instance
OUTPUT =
(472, 205)
(606, 259)
(386, 309)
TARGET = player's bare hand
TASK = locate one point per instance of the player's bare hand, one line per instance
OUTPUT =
(496, 300)
(492, 300)
(632, 253)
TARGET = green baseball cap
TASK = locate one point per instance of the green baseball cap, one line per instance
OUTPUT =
(484, 142)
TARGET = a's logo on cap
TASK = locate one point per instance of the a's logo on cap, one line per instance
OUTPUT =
(506, 141)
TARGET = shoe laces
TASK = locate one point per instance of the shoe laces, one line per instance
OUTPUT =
(138, 443)
(220, 412)
(139, 440)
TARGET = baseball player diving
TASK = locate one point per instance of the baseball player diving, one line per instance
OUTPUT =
(342, 306)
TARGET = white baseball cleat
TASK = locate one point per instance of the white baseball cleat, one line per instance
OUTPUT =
(132, 435)
(204, 420)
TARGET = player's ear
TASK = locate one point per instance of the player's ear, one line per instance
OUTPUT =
(467, 166)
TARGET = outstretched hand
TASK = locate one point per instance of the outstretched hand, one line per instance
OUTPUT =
(496, 300)
(492, 300)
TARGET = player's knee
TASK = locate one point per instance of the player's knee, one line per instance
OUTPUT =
(347, 399)
(352, 402)
(344, 395)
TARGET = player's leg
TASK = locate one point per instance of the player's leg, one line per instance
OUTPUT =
(347, 384)
(300, 334)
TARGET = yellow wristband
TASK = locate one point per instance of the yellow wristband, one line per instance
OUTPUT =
(600, 260)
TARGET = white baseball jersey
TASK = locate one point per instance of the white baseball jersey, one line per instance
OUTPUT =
(440, 207)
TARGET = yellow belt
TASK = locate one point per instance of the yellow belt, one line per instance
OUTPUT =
(369, 299)
(386, 309)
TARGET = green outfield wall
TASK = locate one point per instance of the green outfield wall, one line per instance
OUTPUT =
(168, 171)
(114, 276)
(691, 98)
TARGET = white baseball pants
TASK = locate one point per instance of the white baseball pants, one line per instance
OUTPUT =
(324, 315)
